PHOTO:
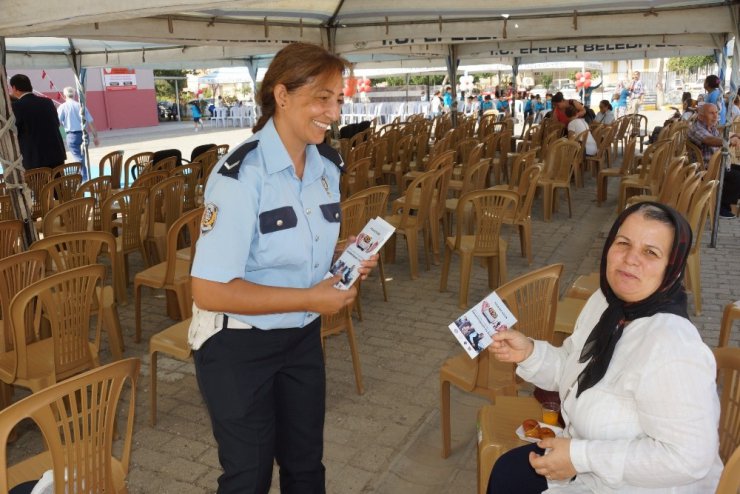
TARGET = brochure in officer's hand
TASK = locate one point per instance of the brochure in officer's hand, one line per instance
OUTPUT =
(369, 241)
(476, 327)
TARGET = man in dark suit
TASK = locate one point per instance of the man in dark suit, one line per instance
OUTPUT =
(38, 126)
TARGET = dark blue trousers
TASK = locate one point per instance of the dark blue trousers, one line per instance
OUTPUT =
(265, 392)
(512, 473)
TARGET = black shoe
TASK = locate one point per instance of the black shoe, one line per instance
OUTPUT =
(726, 213)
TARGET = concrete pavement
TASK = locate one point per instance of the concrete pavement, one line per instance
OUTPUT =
(388, 440)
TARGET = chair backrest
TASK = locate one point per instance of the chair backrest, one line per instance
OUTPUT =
(522, 161)
(527, 190)
(66, 299)
(729, 482)
(474, 176)
(376, 200)
(58, 191)
(16, 273)
(679, 132)
(131, 204)
(184, 231)
(694, 153)
(36, 178)
(464, 148)
(699, 210)
(533, 299)
(715, 162)
(419, 191)
(687, 194)
(356, 177)
(728, 380)
(489, 207)
(153, 177)
(165, 201)
(561, 159)
(99, 189)
(66, 169)
(191, 173)
(353, 217)
(113, 161)
(628, 157)
(135, 166)
(199, 150)
(10, 237)
(166, 153)
(658, 163)
(164, 165)
(72, 216)
(77, 421)
(638, 125)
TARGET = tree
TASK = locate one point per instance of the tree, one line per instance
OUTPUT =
(689, 64)
(165, 89)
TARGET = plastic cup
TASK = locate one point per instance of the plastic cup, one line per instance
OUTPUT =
(551, 413)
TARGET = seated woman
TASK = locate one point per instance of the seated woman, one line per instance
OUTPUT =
(636, 381)
(606, 113)
(577, 125)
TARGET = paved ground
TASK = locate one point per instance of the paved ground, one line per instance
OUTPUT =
(386, 441)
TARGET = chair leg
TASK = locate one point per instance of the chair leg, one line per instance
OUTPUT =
(600, 190)
(503, 275)
(570, 208)
(466, 265)
(726, 328)
(693, 266)
(525, 234)
(434, 231)
(137, 312)
(444, 406)
(355, 357)
(357, 306)
(119, 280)
(390, 249)
(381, 272)
(445, 268)
(153, 386)
(411, 245)
(493, 275)
(113, 328)
(547, 203)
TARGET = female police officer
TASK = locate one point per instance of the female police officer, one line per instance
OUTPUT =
(267, 238)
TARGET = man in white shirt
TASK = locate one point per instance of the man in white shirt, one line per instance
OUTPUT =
(436, 104)
(69, 118)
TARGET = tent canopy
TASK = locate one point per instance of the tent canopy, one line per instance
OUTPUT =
(186, 33)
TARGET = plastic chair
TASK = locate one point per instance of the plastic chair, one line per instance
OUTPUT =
(73, 250)
(192, 174)
(488, 208)
(58, 191)
(584, 286)
(36, 178)
(730, 314)
(174, 342)
(638, 128)
(66, 169)
(623, 170)
(652, 171)
(532, 298)
(729, 482)
(697, 217)
(73, 216)
(557, 173)
(99, 189)
(338, 323)
(409, 225)
(604, 143)
(136, 165)
(66, 300)
(130, 206)
(11, 232)
(112, 161)
(77, 421)
(165, 206)
(728, 380)
(16, 273)
(356, 177)
(496, 436)
(474, 178)
(173, 274)
(376, 204)
(153, 177)
(522, 217)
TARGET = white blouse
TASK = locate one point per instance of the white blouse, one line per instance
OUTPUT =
(651, 424)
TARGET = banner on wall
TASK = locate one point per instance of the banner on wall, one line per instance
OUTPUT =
(119, 79)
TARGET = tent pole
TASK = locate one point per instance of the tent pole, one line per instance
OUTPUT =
(452, 62)
(515, 73)
(12, 161)
(721, 58)
(75, 60)
(177, 99)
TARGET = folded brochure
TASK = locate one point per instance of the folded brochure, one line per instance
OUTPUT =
(476, 327)
(369, 241)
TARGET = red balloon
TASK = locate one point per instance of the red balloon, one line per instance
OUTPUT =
(588, 75)
(587, 83)
(578, 75)
(579, 84)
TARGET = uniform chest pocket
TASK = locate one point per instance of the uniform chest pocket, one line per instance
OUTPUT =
(332, 212)
(277, 220)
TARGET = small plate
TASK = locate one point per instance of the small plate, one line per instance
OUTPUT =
(520, 432)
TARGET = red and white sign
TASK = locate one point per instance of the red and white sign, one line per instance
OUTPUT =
(119, 79)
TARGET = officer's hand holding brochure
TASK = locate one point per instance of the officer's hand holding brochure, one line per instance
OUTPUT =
(476, 327)
(369, 241)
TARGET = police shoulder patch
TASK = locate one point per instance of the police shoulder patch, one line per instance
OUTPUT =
(331, 154)
(234, 160)
(208, 221)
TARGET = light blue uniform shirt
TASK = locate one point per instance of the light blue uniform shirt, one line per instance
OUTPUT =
(270, 227)
(715, 96)
(69, 116)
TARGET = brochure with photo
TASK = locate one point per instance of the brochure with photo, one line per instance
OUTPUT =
(369, 241)
(476, 327)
